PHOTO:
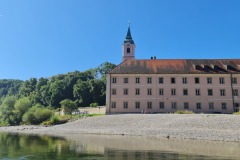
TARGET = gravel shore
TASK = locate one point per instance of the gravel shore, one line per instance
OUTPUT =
(181, 126)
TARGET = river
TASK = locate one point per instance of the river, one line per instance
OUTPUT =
(102, 147)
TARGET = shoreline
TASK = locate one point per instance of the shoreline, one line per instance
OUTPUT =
(210, 127)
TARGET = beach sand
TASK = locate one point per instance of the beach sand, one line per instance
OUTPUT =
(214, 127)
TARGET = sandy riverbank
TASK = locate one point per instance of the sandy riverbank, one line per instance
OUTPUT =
(193, 126)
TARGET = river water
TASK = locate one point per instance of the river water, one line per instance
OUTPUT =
(99, 147)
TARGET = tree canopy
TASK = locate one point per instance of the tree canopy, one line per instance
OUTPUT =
(83, 88)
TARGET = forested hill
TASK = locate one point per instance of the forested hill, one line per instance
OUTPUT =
(9, 87)
(82, 87)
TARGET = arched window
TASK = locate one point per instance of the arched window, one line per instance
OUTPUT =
(128, 50)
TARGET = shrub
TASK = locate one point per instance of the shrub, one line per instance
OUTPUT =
(68, 105)
(183, 112)
(237, 113)
(55, 120)
(37, 115)
(93, 104)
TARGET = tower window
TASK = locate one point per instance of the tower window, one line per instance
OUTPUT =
(128, 50)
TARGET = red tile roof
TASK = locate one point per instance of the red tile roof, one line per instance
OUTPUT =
(178, 66)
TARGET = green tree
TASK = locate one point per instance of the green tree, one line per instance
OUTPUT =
(81, 91)
(7, 116)
(21, 106)
(68, 106)
(28, 87)
(9, 87)
(105, 68)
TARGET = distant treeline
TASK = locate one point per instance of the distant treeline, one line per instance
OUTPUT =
(83, 88)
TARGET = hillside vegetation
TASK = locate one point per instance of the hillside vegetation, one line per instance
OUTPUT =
(81, 88)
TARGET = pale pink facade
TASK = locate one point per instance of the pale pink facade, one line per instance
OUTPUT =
(163, 86)
(155, 97)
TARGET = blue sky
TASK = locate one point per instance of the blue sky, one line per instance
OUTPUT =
(44, 38)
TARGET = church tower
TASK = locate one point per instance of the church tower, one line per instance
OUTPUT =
(128, 47)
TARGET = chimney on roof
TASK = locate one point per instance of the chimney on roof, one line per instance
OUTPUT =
(154, 57)
(151, 57)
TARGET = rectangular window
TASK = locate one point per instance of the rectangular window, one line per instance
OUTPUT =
(197, 80)
(160, 79)
(114, 91)
(173, 80)
(234, 80)
(235, 92)
(125, 80)
(149, 105)
(161, 105)
(149, 80)
(221, 80)
(125, 91)
(222, 92)
(210, 92)
(185, 92)
(174, 105)
(209, 80)
(211, 105)
(137, 80)
(198, 105)
(137, 91)
(184, 80)
(114, 80)
(137, 104)
(173, 92)
(113, 105)
(224, 106)
(149, 91)
(197, 91)
(161, 91)
(125, 104)
(186, 105)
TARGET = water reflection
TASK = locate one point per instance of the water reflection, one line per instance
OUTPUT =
(14, 146)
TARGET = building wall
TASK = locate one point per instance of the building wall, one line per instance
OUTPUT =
(126, 55)
(167, 98)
